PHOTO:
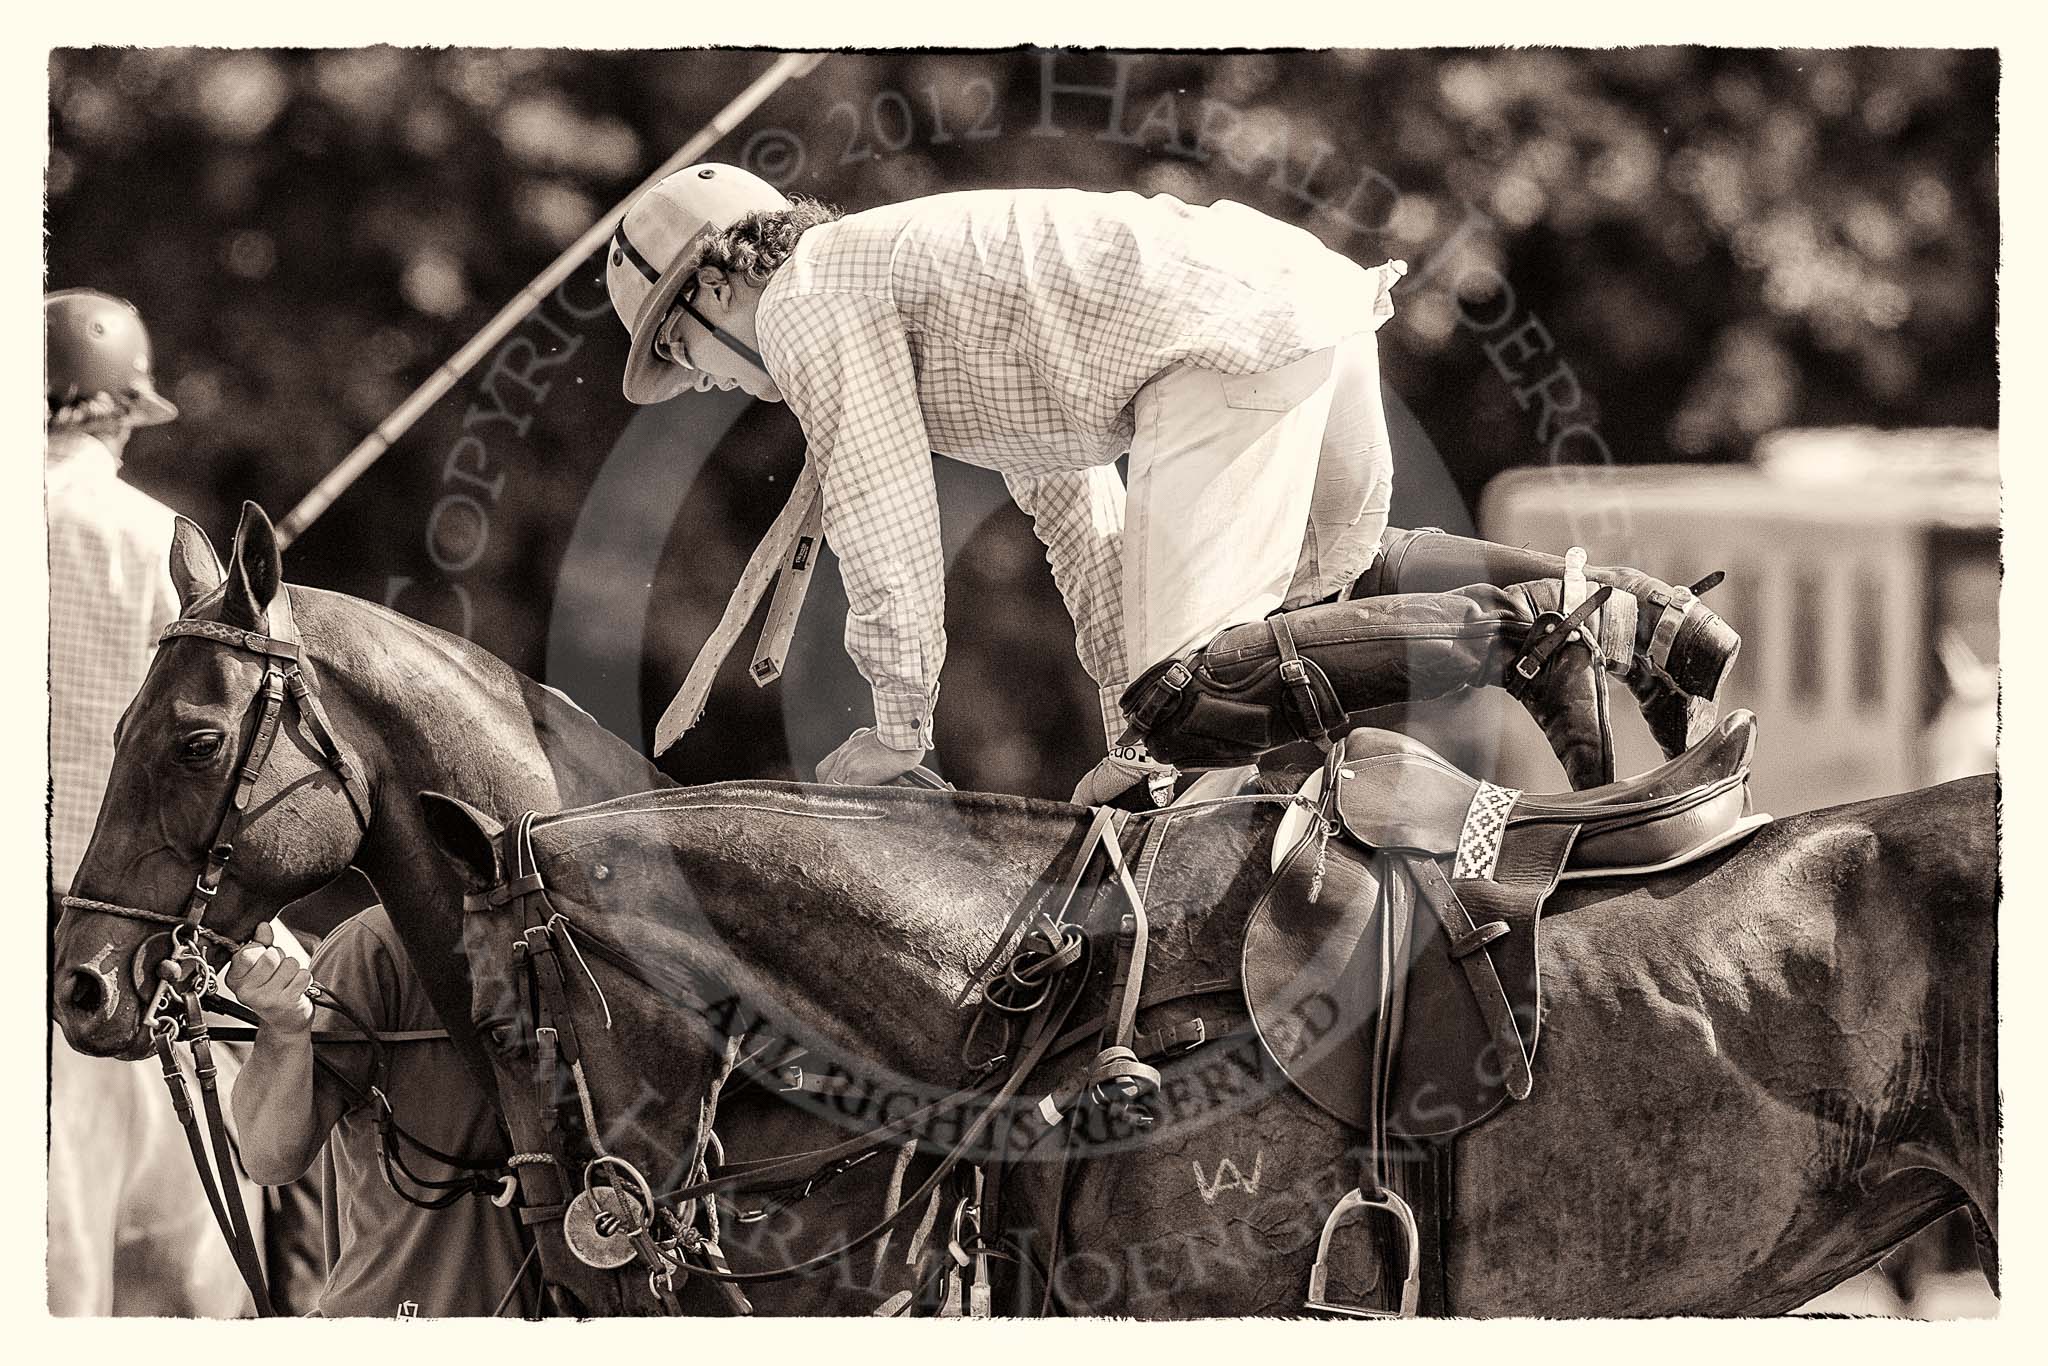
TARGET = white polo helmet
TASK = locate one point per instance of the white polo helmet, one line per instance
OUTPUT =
(656, 250)
(94, 346)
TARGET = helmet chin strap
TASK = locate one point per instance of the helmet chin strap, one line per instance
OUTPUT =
(732, 343)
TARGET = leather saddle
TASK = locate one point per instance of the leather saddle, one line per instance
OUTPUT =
(1422, 886)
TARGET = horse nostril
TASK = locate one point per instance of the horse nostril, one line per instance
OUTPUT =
(88, 993)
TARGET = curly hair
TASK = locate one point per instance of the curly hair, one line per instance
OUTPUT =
(100, 413)
(755, 247)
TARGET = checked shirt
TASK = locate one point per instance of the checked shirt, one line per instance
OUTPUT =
(1011, 329)
(110, 598)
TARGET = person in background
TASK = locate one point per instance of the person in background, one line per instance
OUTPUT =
(129, 1232)
(387, 1256)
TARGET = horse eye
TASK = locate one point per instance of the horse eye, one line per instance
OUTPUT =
(199, 748)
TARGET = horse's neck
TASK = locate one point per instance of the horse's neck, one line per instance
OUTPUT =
(426, 711)
(857, 920)
(444, 711)
(1958, 921)
(1930, 947)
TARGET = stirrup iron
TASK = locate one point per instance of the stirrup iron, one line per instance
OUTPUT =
(1356, 1201)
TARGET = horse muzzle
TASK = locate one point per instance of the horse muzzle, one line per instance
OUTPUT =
(98, 1007)
(97, 1017)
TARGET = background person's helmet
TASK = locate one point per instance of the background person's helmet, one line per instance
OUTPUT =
(657, 249)
(95, 344)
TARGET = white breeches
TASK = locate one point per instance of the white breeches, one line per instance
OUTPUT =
(1251, 492)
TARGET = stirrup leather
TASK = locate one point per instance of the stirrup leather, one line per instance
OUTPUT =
(1356, 1201)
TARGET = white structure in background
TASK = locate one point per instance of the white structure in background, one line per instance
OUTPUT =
(1863, 574)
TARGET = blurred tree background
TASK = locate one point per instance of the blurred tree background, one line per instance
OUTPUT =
(1716, 243)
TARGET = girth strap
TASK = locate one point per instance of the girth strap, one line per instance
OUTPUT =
(1467, 943)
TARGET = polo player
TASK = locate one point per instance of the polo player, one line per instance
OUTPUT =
(1045, 333)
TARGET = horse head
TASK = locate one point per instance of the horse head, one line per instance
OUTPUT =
(613, 984)
(229, 795)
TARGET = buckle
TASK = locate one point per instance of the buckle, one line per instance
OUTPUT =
(1153, 695)
(1294, 670)
(1357, 1201)
(1187, 1035)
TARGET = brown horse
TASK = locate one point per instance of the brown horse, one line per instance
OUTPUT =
(1759, 1072)
(416, 708)
(412, 708)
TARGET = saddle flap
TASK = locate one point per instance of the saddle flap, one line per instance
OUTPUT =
(1311, 984)
(1311, 977)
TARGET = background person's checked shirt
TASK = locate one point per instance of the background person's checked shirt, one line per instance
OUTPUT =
(111, 596)
(1011, 329)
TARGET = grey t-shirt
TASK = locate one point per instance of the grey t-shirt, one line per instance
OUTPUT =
(386, 1257)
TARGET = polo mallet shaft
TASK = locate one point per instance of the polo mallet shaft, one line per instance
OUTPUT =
(789, 66)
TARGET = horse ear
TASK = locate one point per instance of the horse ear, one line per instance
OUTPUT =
(195, 569)
(466, 837)
(256, 575)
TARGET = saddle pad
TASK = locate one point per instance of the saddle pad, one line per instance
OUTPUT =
(1713, 844)
(1311, 983)
(1219, 782)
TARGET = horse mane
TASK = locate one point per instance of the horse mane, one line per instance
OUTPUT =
(458, 650)
(818, 800)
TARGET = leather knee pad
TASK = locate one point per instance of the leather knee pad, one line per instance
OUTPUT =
(1185, 719)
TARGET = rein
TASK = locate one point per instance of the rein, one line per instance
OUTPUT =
(1030, 984)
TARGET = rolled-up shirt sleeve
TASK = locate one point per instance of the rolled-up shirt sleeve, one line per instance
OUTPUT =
(1079, 516)
(843, 363)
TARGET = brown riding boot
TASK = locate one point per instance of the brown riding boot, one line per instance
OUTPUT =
(1677, 660)
(1297, 675)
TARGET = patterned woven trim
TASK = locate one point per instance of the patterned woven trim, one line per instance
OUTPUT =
(231, 635)
(1486, 820)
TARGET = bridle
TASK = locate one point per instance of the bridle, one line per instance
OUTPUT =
(283, 676)
(187, 984)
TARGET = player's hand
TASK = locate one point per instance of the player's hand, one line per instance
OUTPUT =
(1121, 771)
(864, 761)
(272, 983)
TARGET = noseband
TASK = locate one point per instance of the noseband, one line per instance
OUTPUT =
(283, 676)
